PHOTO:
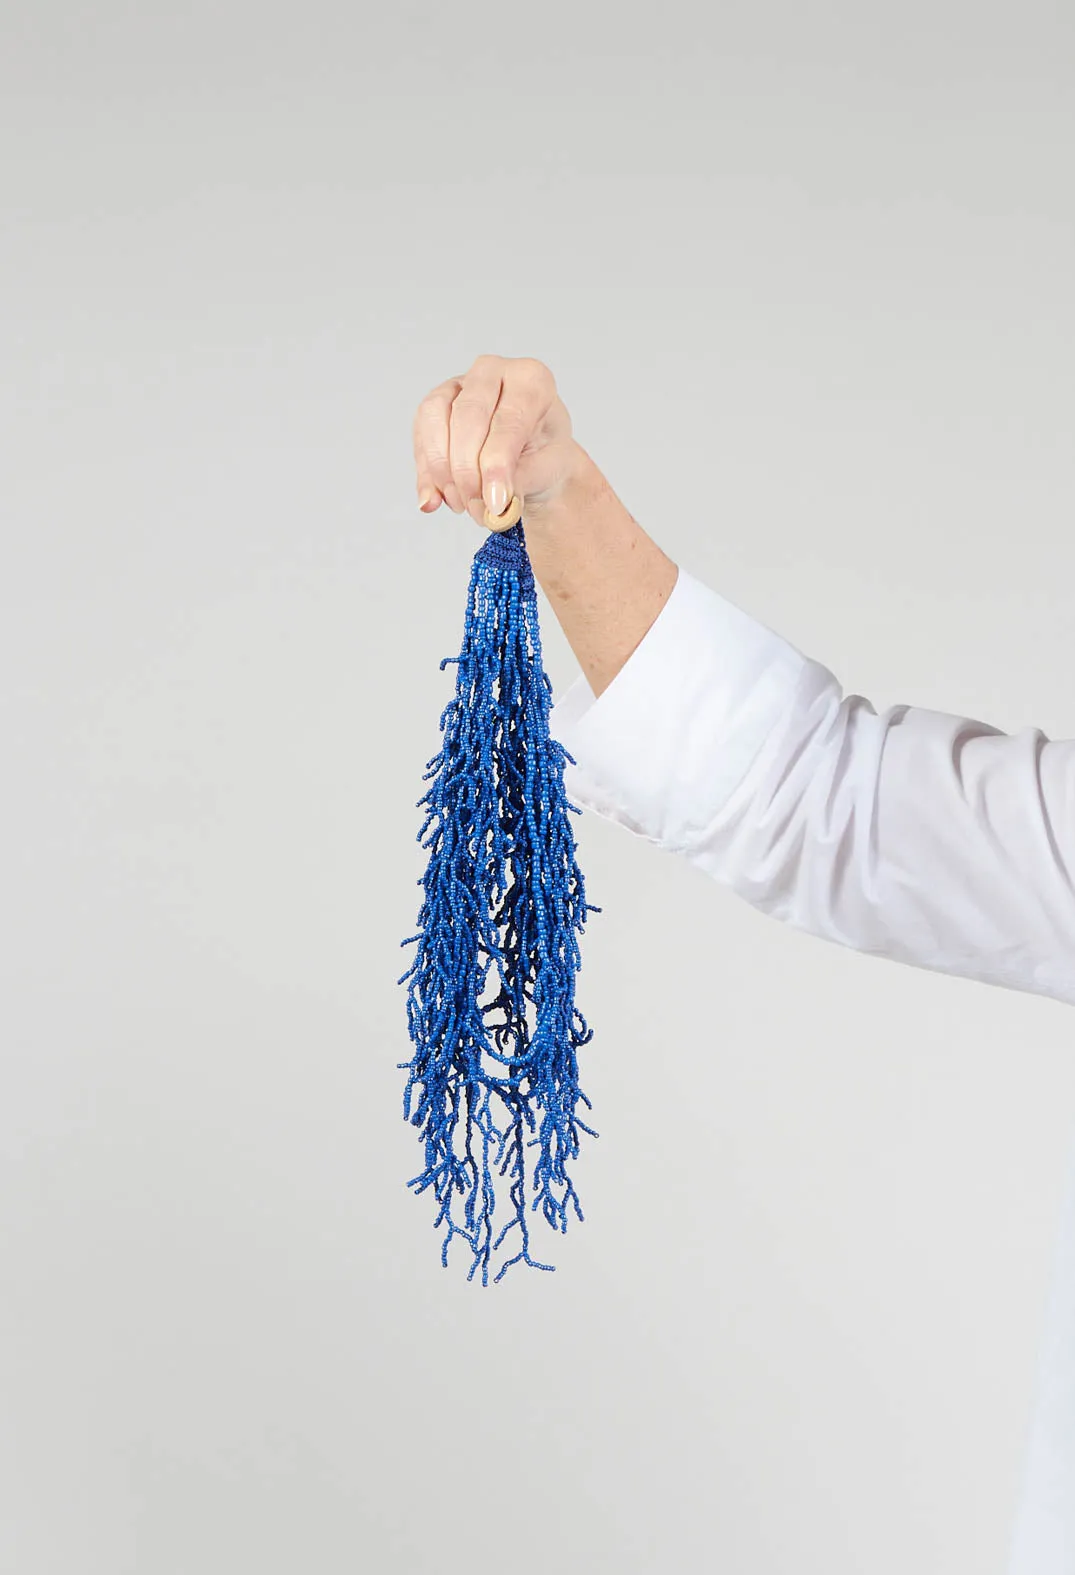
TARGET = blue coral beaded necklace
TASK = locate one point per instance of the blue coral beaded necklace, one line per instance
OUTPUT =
(493, 1084)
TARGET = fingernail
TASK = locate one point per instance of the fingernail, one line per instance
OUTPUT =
(425, 497)
(498, 497)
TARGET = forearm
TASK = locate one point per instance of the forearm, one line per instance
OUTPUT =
(605, 579)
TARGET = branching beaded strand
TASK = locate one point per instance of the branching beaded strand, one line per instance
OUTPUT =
(504, 904)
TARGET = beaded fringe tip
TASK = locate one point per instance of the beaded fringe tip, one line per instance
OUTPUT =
(493, 1082)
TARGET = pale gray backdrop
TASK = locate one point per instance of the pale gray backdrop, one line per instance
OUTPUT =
(804, 276)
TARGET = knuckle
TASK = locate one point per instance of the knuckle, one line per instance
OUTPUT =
(468, 480)
(511, 419)
(467, 484)
(466, 403)
(429, 416)
(534, 369)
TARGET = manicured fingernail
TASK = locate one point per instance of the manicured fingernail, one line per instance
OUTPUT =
(498, 497)
(425, 497)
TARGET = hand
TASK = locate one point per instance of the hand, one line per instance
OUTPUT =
(498, 430)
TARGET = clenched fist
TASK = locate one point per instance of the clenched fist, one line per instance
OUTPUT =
(500, 429)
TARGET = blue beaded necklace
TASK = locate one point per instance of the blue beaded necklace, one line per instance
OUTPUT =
(491, 990)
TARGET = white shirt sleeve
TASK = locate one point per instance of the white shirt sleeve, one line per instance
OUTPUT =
(912, 834)
(927, 838)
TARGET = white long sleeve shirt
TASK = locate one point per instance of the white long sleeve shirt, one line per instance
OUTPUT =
(928, 838)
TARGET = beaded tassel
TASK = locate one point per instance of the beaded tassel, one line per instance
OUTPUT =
(504, 897)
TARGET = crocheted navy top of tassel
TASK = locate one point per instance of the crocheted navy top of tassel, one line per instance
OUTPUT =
(491, 990)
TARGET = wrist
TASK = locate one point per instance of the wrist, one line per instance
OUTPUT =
(580, 475)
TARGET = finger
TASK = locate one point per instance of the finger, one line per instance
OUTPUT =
(470, 420)
(430, 497)
(525, 399)
(430, 434)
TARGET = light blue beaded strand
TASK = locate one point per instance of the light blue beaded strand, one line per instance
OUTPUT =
(503, 892)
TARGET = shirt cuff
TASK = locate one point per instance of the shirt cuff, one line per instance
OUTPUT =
(662, 749)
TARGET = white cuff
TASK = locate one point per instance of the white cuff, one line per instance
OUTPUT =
(661, 750)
